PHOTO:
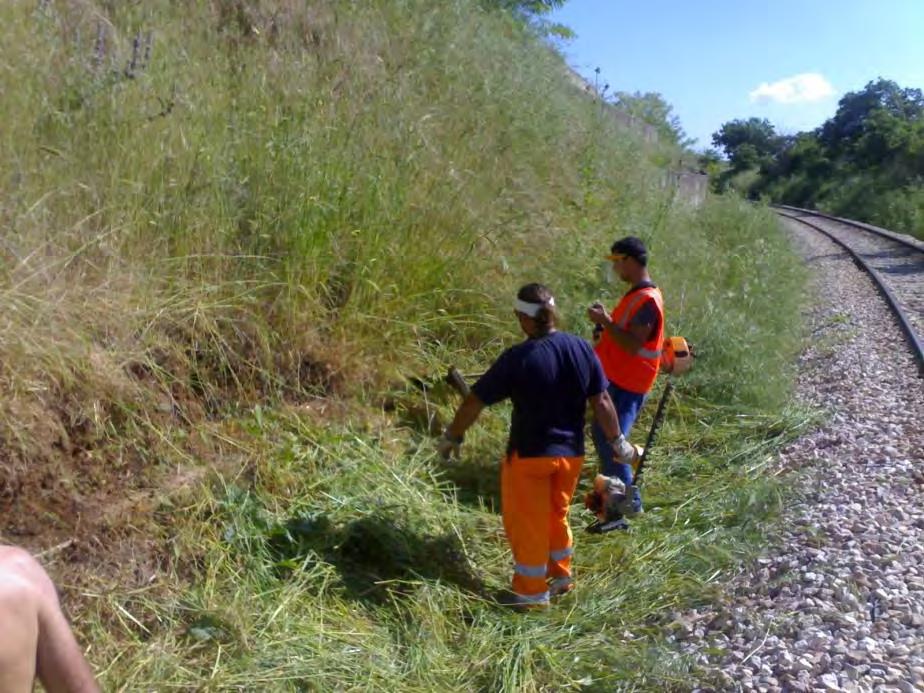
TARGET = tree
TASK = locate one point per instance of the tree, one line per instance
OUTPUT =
(531, 8)
(797, 173)
(709, 158)
(858, 111)
(533, 12)
(865, 162)
(711, 163)
(651, 108)
(749, 143)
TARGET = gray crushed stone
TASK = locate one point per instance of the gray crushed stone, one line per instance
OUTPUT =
(837, 601)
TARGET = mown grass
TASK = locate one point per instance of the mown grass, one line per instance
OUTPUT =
(287, 206)
(362, 562)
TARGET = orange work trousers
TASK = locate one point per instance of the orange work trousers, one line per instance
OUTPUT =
(535, 495)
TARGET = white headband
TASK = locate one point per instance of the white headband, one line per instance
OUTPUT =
(531, 309)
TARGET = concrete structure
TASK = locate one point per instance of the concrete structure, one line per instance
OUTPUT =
(689, 187)
(647, 131)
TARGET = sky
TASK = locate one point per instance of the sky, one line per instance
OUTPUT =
(717, 60)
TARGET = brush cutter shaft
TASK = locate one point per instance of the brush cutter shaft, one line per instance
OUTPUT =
(455, 379)
(653, 431)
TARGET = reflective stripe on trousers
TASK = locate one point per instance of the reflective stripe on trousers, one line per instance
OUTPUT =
(561, 554)
(535, 495)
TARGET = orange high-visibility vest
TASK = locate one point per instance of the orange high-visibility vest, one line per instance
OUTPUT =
(633, 372)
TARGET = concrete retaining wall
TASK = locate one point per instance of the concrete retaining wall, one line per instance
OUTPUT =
(689, 187)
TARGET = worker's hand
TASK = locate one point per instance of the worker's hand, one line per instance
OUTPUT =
(597, 314)
(624, 451)
(448, 446)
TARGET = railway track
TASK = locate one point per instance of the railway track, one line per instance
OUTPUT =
(894, 262)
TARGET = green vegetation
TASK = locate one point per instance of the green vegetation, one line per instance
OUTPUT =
(866, 162)
(232, 230)
(651, 108)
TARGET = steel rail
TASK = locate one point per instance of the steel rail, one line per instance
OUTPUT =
(885, 233)
(916, 346)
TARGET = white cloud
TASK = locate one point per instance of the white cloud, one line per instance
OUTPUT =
(809, 86)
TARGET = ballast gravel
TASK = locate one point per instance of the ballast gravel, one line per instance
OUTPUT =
(837, 602)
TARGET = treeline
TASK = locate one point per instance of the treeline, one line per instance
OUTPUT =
(866, 162)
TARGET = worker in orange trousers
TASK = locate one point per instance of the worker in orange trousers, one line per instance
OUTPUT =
(549, 377)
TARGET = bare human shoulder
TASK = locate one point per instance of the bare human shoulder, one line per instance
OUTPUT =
(36, 638)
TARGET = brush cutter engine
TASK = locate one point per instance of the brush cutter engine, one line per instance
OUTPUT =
(609, 500)
(676, 356)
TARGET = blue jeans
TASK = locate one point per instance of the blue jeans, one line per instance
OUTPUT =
(627, 406)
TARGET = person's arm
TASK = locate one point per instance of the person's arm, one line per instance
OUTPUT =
(451, 440)
(605, 414)
(492, 387)
(465, 416)
(60, 662)
(631, 339)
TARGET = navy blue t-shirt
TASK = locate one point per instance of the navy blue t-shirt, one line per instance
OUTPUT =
(549, 380)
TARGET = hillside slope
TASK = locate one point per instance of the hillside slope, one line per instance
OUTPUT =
(229, 230)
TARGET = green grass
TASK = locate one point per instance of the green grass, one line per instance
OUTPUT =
(360, 562)
(225, 264)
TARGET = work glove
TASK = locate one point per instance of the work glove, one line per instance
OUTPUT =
(624, 451)
(448, 446)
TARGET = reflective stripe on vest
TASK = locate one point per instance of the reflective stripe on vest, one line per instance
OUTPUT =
(630, 309)
(633, 372)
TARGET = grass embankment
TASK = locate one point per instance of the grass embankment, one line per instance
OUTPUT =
(219, 254)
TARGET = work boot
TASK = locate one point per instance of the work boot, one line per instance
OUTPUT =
(560, 585)
(511, 600)
(598, 527)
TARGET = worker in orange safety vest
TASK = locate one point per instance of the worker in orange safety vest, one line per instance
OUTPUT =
(549, 377)
(628, 342)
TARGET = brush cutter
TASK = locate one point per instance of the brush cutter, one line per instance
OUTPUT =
(676, 359)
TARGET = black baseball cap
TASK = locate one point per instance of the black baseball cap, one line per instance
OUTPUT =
(630, 246)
